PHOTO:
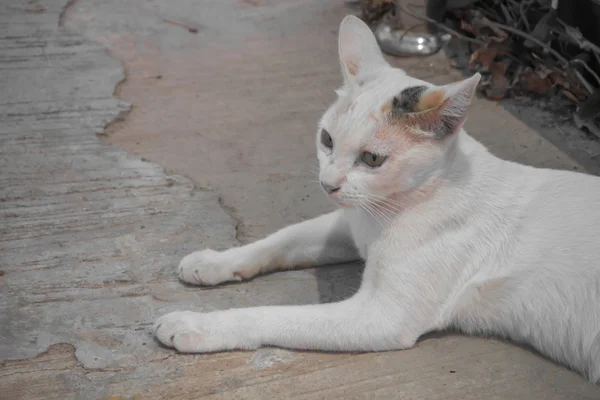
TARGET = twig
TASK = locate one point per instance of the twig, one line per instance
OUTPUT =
(583, 81)
(576, 36)
(558, 127)
(507, 16)
(590, 125)
(524, 16)
(587, 67)
(189, 28)
(517, 32)
(441, 26)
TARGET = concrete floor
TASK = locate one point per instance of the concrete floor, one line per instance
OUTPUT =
(91, 233)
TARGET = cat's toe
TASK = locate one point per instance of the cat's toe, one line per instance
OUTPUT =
(192, 332)
(171, 327)
(168, 325)
(190, 341)
(206, 267)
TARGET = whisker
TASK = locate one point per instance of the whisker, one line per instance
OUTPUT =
(396, 205)
(365, 203)
(388, 210)
(369, 211)
(378, 211)
(378, 200)
(387, 205)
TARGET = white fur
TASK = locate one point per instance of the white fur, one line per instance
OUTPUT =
(490, 247)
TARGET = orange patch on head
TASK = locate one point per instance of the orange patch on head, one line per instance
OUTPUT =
(386, 108)
(407, 130)
(430, 99)
(396, 133)
(386, 133)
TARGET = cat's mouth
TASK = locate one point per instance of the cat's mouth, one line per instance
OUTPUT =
(336, 194)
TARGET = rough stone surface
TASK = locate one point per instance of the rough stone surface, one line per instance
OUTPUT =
(90, 236)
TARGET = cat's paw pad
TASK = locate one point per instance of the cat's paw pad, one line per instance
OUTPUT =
(183, 331)
(207, 267)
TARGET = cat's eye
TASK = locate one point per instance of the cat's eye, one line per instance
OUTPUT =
(372, 160)
(326, 139)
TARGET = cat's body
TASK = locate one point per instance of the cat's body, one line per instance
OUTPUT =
(452, 235)
(511, 266)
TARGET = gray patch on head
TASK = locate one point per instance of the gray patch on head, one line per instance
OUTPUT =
(406, 102)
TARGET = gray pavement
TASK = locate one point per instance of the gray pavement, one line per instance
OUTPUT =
(208, 142)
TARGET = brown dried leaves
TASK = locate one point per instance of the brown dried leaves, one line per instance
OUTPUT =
(505, 68)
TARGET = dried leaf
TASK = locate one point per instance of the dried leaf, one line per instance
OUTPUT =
(578, 92)
(497, 31)
(532, 82)
(542, 71)
(465, 26)
(499, 68)
(499, 84)
(558, 79)
(499, 88)
(570, 96)
(483, 57)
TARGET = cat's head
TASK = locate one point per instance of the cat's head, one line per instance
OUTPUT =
(387, 133)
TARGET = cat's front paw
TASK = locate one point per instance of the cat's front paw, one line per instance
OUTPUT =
(182, 330)
(191, 332)
(207, 267)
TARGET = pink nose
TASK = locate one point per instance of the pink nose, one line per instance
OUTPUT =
(330, 188)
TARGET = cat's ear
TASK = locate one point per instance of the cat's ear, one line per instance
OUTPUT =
(360, 56)
(440, 111)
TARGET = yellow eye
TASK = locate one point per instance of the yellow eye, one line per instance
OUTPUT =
(372, 160)
(326, 139)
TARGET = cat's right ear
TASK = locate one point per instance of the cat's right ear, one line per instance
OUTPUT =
(360, 56)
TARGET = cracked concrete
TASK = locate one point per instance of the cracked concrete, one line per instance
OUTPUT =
(90, 235)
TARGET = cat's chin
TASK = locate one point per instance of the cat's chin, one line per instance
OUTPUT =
(340, 203)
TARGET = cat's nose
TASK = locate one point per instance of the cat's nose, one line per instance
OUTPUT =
(330, 188)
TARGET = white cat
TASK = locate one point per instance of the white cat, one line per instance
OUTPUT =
(452, 235)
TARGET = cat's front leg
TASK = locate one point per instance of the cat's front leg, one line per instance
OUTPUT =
(361, 323)
(322, 240)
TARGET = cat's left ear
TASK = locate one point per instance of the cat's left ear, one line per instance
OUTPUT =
(360, 56)
(440, 111)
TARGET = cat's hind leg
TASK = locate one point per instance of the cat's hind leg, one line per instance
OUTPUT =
(322, 240)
